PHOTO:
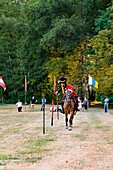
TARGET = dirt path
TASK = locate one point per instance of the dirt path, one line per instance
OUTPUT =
(89, 146)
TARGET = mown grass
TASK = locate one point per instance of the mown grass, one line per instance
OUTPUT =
(36, 145)
(24, 131)
(96, 122)
(4, 158)
(110, 142)
(110, 139)
(104, 129)
(7, 157)
(31, 151)
(81, 137)
(33, 159)
(19, 132)
(99, 124)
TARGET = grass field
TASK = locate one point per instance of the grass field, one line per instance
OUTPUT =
(21, 134)
(23, 146)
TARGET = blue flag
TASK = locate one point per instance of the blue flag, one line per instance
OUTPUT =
(92, 82)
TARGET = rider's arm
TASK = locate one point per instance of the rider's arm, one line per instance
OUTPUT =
(58, 90)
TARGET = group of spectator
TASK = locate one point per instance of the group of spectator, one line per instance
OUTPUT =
(33, 101)
(84, 103)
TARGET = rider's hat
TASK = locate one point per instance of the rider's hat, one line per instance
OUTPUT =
(62, 79)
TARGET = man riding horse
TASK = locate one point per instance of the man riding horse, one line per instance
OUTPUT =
(63, 88)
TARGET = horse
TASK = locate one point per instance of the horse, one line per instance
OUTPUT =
(69, 109)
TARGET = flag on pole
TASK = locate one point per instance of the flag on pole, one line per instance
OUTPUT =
(54, 83)
(25, 84)
(2, 83)
(92, 82)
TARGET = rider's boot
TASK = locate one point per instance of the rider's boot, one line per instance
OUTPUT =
(62, 105)
(62, 111)
(76, 103)
(76, 108)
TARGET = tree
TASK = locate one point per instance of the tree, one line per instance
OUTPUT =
(104, 20)
(39, 38)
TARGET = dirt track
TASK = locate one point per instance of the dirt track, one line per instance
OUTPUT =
(89, 146)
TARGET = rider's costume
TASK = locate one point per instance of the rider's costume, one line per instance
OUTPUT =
(65, 87)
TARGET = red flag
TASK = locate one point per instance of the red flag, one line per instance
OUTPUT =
(54, 83)
(25, 84)
(2, 84)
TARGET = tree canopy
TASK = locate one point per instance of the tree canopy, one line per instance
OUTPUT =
(46, 38)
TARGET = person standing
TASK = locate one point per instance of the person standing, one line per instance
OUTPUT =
(106, 102)
(19, 105)
(85, 103)
(32, 103)
(43, 103)
(79, 103)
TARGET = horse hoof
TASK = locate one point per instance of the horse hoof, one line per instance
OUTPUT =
(66, 127)
(70, 128)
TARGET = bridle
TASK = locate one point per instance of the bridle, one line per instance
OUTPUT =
(68, 96)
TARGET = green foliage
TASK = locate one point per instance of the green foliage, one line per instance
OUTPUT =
(101, 61)
(111, 99)
(42, 39)
(104, 20)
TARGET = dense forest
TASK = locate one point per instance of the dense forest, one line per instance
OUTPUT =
(46, 38)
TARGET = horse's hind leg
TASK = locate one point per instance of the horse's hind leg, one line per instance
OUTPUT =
(66, 120)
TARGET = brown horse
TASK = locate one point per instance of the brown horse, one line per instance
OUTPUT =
(69, 109)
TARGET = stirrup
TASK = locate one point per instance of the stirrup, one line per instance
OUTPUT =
(77, 109)
(62, 111)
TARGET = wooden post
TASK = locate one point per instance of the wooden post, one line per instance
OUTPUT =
(57, 109)
(52, 112)
(43, 119)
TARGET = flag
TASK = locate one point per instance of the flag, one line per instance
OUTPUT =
(92, 82)
(25, 84)
(54, 83)
(2, 84)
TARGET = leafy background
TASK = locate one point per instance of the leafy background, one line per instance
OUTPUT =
(46, 38)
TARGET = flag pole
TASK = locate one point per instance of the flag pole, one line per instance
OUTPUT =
(25, 90)
(57, 108)
(57, 97)
(25, 101)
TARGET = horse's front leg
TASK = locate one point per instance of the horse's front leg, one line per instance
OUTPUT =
(66, 120)
(71, 121)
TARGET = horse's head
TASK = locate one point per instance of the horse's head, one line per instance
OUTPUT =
(68, 95)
